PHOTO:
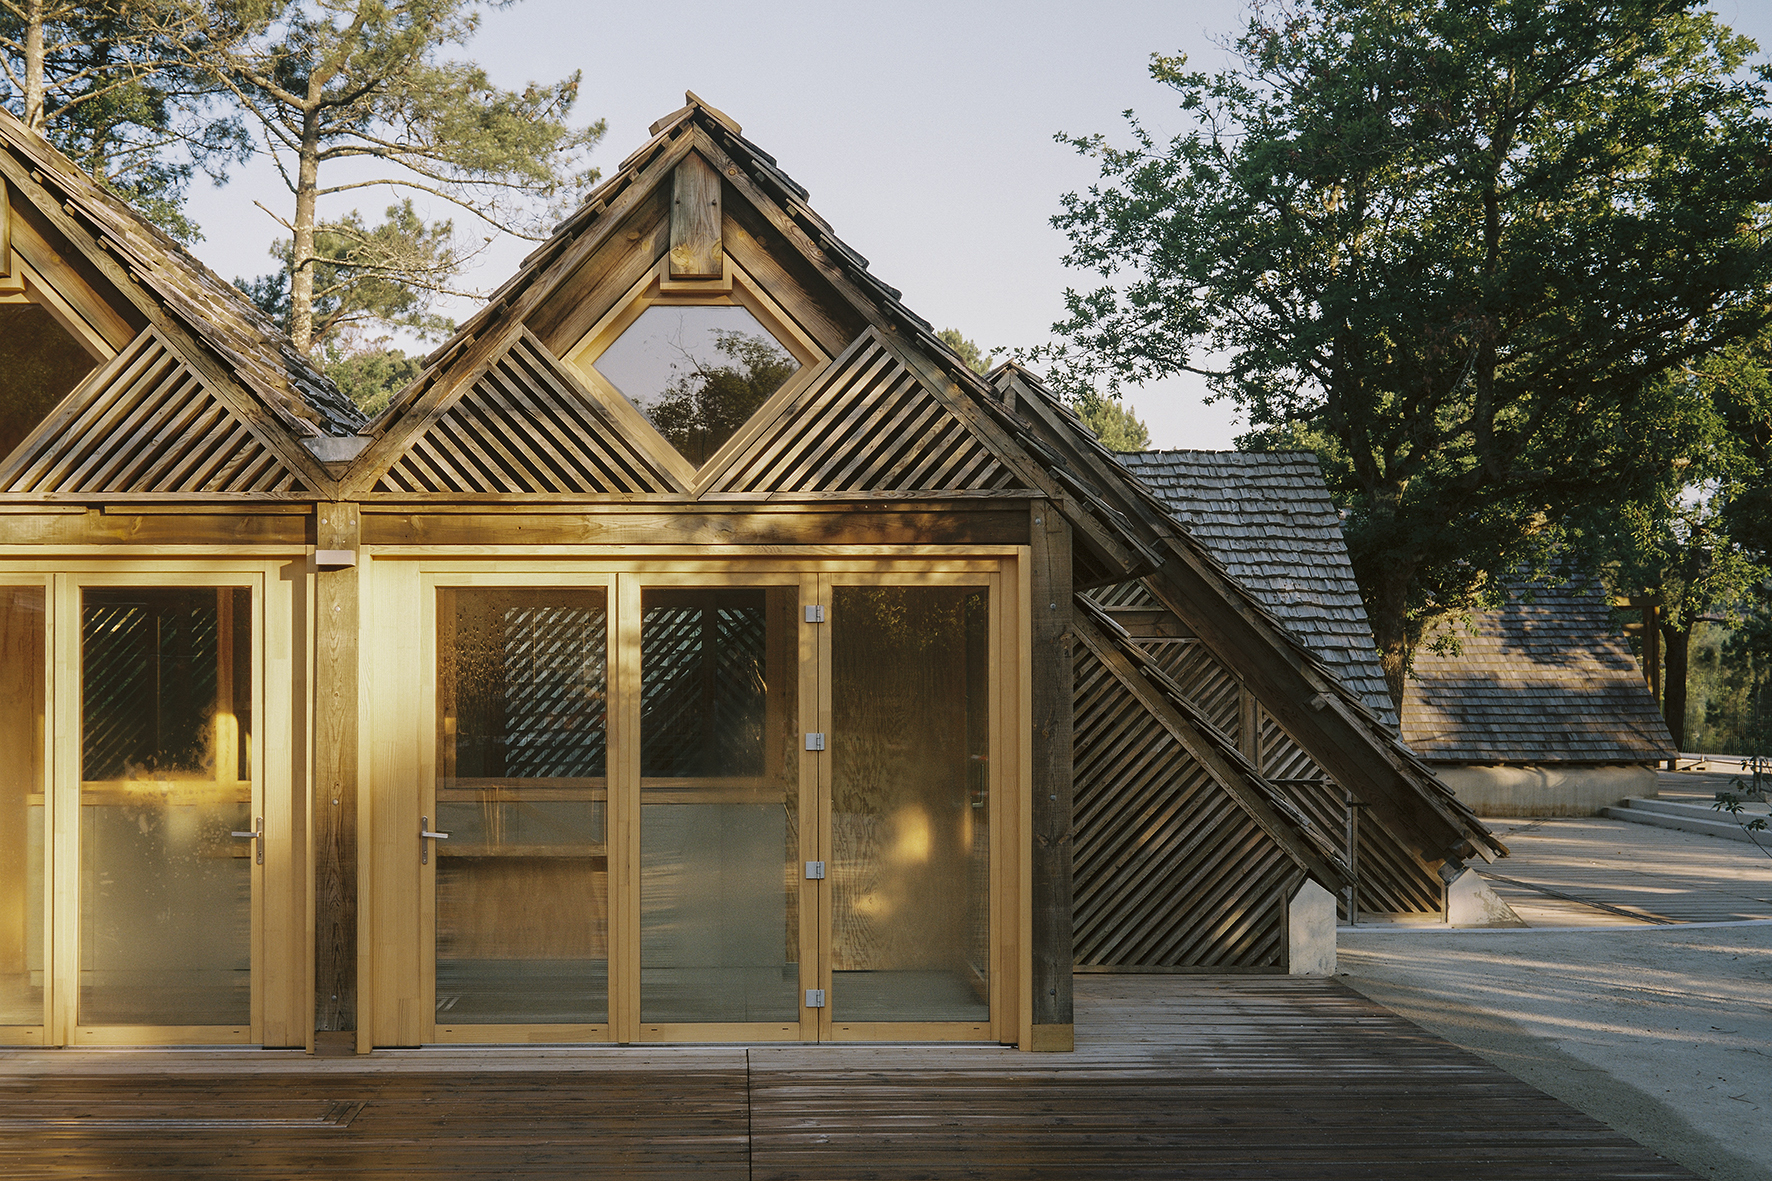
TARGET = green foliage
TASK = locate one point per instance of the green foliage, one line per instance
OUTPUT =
(363, 275)
(706, 404)
(966, 350)
(1117, 427)
(112, 89)
(1460, 245)
(326, 81)
(371, 376)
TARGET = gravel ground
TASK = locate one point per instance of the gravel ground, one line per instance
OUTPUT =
(1663, 1031)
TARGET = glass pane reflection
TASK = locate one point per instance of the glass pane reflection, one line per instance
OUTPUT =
(697, 373)
(523, 880)
(165, 888)
(910, 804)
(21, 805)
(720, 799)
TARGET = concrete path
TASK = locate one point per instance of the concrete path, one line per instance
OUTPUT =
(1662, 1030)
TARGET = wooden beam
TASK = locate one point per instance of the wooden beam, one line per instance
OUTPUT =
(813, 525)
(695, 221)
(336, 611)
(1053, 700)
(76, 294)
(1219, 761)
(9, 282)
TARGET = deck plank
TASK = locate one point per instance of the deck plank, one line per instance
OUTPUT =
(1173, 1077)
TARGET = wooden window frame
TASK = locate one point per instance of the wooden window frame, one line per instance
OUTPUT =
(397, 728)
(734, 288)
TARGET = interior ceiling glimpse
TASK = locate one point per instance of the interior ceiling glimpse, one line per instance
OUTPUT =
(697, 373)
(40, 364)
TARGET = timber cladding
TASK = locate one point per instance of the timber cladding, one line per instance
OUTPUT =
(147, 423)
(1165, 858)
(1147, 775)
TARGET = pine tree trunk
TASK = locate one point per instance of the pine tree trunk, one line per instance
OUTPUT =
(35, 102)
(301, 254)
(1676, 654)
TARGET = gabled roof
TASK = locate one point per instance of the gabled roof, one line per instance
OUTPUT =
(892, 402)
(214, 312)
(1543, 679)
(1267, 516)
(1320, 712)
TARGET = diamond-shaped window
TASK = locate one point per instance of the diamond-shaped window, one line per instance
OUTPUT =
(697, 373)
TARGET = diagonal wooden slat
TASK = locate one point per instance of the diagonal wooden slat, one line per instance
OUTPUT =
(147, 423)
(867, 425)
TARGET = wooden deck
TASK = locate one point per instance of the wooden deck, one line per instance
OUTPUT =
(1174, 1077)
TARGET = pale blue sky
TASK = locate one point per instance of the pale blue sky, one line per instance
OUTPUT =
(923, 130)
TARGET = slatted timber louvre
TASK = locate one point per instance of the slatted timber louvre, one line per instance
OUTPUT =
(146, 423)
(1392, 881)
(866, 425)
(1168, 870)
(524, 426)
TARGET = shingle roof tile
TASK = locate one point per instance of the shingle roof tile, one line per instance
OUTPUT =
(1545, 678)
(1267, 516)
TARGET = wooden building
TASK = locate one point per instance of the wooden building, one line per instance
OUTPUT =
(1543, 711)
(696, 651)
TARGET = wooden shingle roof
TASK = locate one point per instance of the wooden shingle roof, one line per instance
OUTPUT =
(1543, 679)
(213, 311)
(1268, 518)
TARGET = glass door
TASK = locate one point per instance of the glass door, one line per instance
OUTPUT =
(170, 824)
(720, 769)
(907, 792)
(520, 813)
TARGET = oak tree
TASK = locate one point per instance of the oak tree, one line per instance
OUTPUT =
(1453, 247)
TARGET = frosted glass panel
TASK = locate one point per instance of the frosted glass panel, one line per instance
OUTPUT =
(166, 725)
(21, 805)
(719, 805)
(910, 806)
(523, 880)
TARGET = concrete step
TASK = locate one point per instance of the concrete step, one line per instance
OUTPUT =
(1692, 818)
(1691, 810)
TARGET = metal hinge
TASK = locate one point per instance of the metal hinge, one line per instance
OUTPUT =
(815, 742)
(815, 998)
(815, 613)
(815, 871)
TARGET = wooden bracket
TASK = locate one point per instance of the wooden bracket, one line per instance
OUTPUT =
(695, 221)
(11, 282)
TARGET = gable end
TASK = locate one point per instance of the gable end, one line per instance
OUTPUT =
(867, 425)
(147, 423)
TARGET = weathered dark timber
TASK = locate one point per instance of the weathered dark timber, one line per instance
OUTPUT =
(695, 221)
(336, 776)
(1174, 1077)
(815, 525)
(1050, 604)
(119, 526)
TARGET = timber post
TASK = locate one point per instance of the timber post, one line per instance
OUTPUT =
(335, 767)
(1053, 673)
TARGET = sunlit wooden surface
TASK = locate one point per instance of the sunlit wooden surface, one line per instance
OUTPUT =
(1174, 1076)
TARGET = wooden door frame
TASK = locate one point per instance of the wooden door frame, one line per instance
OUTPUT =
(276, 913)
(394, 741)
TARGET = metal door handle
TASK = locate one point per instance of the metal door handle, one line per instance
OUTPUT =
(257, 837)
(424, 834)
